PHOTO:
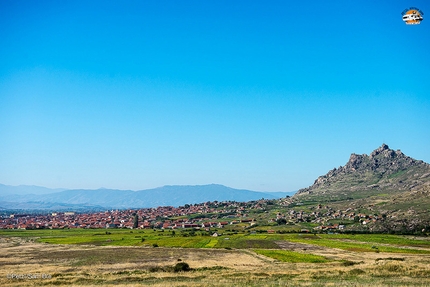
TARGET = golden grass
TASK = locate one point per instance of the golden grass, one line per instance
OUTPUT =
(78, 265)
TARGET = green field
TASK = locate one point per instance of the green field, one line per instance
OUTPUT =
(197, 239)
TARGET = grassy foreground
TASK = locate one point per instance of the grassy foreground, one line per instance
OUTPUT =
(124, 258)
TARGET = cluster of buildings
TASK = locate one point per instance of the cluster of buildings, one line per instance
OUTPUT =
(199, 216)
(206, 215)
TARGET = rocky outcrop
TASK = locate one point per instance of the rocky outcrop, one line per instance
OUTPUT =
(381, 167)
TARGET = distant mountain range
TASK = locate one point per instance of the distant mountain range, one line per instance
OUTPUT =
(40, 198)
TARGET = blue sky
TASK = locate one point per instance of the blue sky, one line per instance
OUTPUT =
(250, 94)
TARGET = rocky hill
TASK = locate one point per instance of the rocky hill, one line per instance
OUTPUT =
(384, 182)
(383, 169)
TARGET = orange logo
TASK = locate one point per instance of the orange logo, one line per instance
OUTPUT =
(412, 16)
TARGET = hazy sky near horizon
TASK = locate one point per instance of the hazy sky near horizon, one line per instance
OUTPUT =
(260, 95)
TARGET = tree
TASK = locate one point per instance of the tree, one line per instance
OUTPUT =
(136, 221)
(281, 221)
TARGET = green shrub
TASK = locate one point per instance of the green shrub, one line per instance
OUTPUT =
(350, 263)
(356, 272)
(157, 269)
(181, 267)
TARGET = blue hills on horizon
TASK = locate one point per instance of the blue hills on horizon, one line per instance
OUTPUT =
(25, 197)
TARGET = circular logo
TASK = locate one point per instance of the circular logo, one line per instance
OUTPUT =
(412, 16)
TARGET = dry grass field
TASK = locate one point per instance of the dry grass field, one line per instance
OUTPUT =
(27, 263)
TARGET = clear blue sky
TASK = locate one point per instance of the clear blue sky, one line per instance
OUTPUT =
(250, 94)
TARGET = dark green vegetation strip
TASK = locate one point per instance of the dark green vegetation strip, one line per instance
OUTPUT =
(292, 256)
